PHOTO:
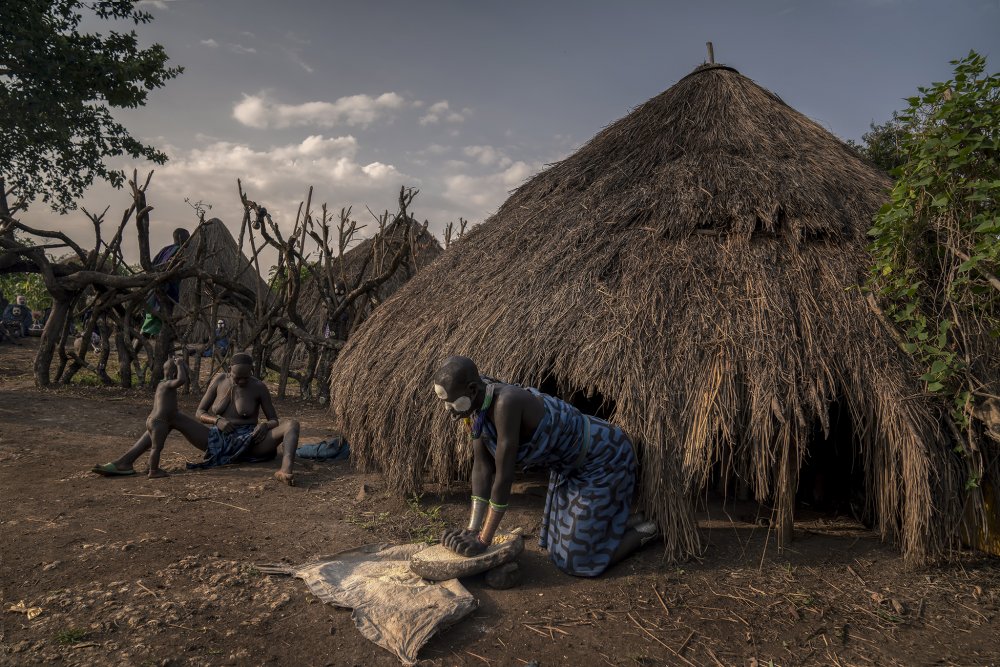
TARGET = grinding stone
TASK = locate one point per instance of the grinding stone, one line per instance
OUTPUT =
(438, 563)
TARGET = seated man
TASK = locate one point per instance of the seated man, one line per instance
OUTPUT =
(231, 406)
(586, 525)
(220, 341)
(18, 314)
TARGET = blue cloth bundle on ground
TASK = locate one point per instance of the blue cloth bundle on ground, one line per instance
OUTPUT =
(331, 449)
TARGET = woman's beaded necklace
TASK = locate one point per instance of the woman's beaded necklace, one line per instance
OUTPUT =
(478, 419)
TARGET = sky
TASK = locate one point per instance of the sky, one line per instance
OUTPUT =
(465, 100)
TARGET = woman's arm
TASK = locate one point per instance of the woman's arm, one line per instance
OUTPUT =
(507, 418)
(204, 413)
(483, 469)
(267, 407)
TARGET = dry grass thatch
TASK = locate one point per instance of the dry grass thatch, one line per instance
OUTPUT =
(696, 264)
(368, 259)
(221, 256)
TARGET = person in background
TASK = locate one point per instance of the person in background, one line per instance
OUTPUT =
(18, 313)
(172, 290)
(220, 342)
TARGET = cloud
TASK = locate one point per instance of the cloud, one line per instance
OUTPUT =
(154, 4)
(259, 111)
(277, 176)
(441, 111)
(298, 39)
(235, 48)
(240, 49)
(488, 156)
(294, 56)
(330, 161)
(489, 191)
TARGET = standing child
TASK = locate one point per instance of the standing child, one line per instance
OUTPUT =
(160, 420)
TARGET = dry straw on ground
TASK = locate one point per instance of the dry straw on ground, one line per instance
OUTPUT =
(696, 264)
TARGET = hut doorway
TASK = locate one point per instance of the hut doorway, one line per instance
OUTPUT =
(589, 403)
(830, 484)
(832, 477)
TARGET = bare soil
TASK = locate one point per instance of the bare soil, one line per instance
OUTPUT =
(132, 571)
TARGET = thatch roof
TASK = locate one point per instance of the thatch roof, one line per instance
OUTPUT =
(368, 259)
(696, 265)
(221, 256)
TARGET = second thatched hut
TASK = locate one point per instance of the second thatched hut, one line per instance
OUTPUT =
(367, 260)
(693, 273)
(213, 248)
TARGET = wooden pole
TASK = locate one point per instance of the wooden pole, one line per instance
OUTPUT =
(787, 486)
(711, 53)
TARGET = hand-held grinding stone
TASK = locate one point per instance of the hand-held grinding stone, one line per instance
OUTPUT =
(438, 563)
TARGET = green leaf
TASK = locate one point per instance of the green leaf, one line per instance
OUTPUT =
(935, 387)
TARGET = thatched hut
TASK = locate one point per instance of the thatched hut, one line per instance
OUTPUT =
(366, 260)
(693, 272)
(214, 249)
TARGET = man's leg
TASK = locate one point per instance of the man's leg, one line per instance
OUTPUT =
(141, 446)
(193, 431)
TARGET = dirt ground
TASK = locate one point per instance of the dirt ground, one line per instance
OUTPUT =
(132, 571)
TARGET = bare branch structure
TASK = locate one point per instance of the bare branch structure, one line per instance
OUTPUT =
(100, 301)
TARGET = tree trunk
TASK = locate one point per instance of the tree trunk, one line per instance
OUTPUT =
(290, 345)
(124, 359)
(51, 337)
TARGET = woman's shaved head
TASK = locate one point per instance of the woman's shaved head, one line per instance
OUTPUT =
(456, 371)
(458, 384)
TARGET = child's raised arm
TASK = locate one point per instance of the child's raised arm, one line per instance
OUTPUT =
(182, 374)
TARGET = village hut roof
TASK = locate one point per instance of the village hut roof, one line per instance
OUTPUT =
(366, 260)
(213, 248)
(696, 266)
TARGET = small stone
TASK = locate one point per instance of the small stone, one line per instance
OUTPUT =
(282, 600)
(504, 577)
(128, 546)
(51, 566)
(363, 492)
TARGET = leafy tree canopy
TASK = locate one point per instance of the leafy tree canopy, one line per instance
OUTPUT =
(57, 88)
(936, 243)
(882, 144)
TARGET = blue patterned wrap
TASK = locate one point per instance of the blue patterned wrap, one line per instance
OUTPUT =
(226, 448)
(589, 496)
